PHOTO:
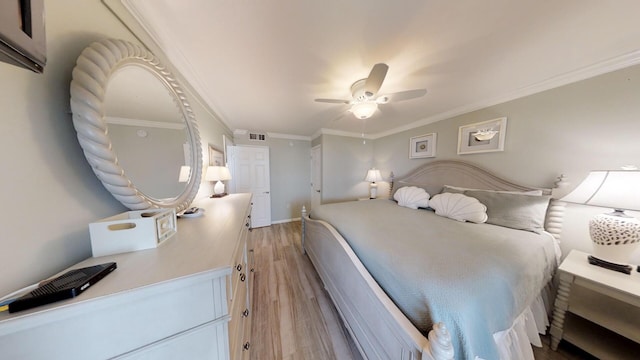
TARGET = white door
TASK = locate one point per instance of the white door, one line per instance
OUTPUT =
(250, 166)
(316, 175)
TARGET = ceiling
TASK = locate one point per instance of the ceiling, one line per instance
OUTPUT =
(259, 65)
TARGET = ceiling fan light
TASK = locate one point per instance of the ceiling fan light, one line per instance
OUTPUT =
(364, 110)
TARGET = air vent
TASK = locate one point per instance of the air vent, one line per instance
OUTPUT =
(257, 137)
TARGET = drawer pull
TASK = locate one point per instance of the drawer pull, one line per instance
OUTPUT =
(245, 313)
(243, 277)
(239, 267)
(246, 346)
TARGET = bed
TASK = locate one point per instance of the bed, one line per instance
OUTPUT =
(412, 284)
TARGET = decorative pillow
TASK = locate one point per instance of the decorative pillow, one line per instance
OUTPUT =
(412, 197)
(461, 190)
(459, 207)
(517, 211)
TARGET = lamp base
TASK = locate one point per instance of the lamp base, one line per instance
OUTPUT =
(615, 236)
(373, 190)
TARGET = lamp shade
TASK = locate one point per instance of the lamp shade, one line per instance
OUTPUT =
(217, 173)
(373, 175)
(617, 189)
(364, 110)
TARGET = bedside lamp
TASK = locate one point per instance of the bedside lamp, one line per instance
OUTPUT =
(373, 175)
(219, 174)
(615, 235)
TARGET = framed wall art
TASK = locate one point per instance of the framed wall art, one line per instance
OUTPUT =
(422, 146)
(486, 136)
(216, 157)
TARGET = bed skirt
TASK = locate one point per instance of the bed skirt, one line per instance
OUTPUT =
(515, 343)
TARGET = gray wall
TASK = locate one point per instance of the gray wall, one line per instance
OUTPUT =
(290, 162)
(49, 193)
(345, 161)
(592, 124)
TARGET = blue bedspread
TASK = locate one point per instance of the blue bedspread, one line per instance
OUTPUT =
(475, 278)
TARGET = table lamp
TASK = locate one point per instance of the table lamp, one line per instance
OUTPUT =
(218, 174)
(373, 175)
(615, 235)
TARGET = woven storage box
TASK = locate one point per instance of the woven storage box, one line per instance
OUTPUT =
(131, 231)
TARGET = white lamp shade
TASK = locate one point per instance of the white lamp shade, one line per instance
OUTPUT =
(184, 174)
(217, 173)
(618, 189)
(364, 110)
(373, 175)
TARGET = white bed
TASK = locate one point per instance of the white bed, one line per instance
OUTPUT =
(377, 325)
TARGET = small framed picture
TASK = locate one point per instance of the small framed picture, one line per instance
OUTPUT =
(486, 136)
(216, 157)
(422, 146)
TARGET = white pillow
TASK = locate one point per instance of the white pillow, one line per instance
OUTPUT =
(412, 197)
(459, 207)
(457, 189)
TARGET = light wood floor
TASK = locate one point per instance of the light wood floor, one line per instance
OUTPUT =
(294, 317)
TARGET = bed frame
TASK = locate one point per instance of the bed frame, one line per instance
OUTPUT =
(379, 329)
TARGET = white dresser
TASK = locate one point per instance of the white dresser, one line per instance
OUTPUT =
(187, 299)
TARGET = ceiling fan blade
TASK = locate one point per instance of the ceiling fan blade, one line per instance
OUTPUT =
(333, 101)
(375, 79)
(401, 96)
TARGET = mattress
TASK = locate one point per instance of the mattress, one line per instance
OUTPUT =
(475, 278)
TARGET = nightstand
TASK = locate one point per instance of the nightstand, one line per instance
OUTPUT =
(597, 309)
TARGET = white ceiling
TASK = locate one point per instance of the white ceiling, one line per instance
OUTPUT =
(260, 64)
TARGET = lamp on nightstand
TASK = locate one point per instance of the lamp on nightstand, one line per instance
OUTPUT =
(218, 174)
(373, 175)
(615, 235)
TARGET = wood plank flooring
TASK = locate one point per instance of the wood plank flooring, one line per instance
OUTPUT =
(294, 318)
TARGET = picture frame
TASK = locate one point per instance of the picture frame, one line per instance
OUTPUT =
(423, 146)
(216, 157)
(482, 137)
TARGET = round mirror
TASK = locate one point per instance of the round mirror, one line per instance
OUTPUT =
(135, 126)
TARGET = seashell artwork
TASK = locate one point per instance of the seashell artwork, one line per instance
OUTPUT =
(459, 207)
(412, 197)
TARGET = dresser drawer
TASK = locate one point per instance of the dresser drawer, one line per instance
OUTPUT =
(118, 324)
(208, 341)
(239, 311)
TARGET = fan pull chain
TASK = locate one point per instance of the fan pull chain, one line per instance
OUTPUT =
(364, 141)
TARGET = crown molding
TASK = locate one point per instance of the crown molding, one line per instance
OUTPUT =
(288, 136)
(144, 123)
(587, 72)
(325, 131)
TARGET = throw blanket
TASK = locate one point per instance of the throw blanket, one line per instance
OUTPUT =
(475, 278)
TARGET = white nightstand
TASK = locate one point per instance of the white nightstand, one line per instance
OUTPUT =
(597, 309)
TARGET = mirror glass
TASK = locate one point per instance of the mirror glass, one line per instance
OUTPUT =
(148, 134)
(136, 126)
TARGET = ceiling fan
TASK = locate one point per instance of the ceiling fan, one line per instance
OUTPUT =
(365, 93)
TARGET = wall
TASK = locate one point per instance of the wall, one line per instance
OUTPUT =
(592, 124)
(345, 161)
(49, 193)
(290, 164)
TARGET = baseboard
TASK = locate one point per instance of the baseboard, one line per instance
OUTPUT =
(285, 221)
